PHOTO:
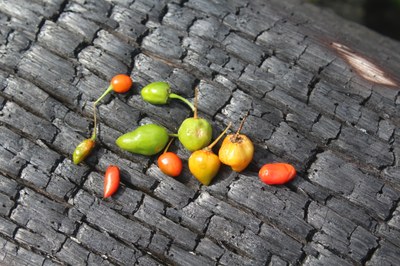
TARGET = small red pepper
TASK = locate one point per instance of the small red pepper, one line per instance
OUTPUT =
(121, 83)
(277, 173)
(169, 163)
(111, 181)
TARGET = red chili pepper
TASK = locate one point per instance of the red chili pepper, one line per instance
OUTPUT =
(169, 163)
(277, 173)
(121, 83)
(111, 181)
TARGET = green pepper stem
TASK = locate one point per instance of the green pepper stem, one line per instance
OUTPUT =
(176, 96)
(169, 144)
(94, 134)
(110, 88)
(219, 137)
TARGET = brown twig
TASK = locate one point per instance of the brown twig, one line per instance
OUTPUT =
(236, 137)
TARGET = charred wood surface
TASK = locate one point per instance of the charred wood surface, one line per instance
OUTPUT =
(323, 95)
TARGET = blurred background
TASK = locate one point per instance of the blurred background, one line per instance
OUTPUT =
(380, 15)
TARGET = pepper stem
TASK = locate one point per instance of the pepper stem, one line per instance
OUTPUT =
(196, 102)
(169, 144)
(176, 96)
(110, 88)
(209, 147)
(94, 134)
(241, 126)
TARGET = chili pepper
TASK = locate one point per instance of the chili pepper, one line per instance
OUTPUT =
(146, 140)
(159, 92)
(169, 163)
(277, 173)
(111, 181)
(82, 150)
(237, 150)
(120, 83)
(195, 133)
(204, 164)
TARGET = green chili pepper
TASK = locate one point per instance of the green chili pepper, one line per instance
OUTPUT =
(159, 92)
(156, 92)
(82, 150)
(146, 140)
(195, 133)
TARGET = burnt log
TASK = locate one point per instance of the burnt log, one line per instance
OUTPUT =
(323, 94)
